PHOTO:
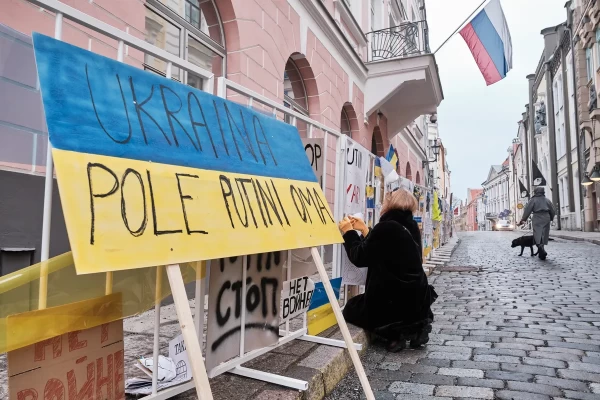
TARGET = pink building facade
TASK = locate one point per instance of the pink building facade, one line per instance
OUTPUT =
(473, 196)
(340, 62)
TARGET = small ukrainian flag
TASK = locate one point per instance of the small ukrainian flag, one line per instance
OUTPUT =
(320, 314)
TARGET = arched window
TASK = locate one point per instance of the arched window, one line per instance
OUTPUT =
(408, 172)
(377, 142)
(418, 178)
(294, 91)
(190, 29)
(345, 127)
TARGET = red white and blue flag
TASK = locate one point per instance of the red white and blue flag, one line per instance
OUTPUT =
(488, 38)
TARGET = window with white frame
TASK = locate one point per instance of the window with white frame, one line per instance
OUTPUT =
(376, 15)
(181, 29)
(589, 64)
(559, 119)
(565, 192)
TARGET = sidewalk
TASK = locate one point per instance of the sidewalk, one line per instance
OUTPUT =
(591, 237)
(323, 367)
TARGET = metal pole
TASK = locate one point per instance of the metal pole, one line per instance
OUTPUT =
(243, 313)
(156, 344)
(552, 140)
(461, 25)
(48, 189)
(566, 110)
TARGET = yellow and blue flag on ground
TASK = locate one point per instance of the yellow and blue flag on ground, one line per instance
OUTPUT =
(320, 314)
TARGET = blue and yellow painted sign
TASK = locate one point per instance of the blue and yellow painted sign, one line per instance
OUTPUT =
(320, 316)
(154, 172)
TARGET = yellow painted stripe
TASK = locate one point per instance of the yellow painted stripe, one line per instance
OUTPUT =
(71, 299)
(320, 319)
(34, 326)
(122, 213)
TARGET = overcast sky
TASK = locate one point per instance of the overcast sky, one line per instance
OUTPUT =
(477, 122)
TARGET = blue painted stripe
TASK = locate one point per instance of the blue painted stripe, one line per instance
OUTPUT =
(97, 105)
(319, 297)
(491, 40)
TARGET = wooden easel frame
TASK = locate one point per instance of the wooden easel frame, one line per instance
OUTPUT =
(190, 335)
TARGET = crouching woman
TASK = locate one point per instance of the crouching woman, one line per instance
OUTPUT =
(396, 305)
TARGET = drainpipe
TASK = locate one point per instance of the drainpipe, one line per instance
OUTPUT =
(580, 165)
(527, 155)
(531, 134)
(569, 150)
(552, 140)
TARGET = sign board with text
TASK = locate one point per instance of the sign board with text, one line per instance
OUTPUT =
(357, 161)
(314, 149)
(226, 305)
(86, 364)
(295, 297)
(155, 172)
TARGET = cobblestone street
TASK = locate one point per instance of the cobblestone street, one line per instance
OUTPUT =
(514, 328)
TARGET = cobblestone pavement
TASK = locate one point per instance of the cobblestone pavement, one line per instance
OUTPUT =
(517, 328)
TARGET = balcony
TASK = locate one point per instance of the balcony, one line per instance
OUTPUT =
(403, 80)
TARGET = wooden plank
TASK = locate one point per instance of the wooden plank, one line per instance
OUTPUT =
(189, 332)
(360, 371)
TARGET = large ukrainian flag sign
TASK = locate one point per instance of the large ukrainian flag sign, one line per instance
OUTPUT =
(154, 172)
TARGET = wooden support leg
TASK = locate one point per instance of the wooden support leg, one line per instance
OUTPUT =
(362, 376)
(190, 336)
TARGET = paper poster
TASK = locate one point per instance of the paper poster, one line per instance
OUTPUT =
(178, 353)
(355, 202)
(295, 297)
(86, 364)
(155, 172)
(315, 151)
(320, 316)
(262, 300)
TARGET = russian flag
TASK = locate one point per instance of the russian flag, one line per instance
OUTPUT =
(488, 38)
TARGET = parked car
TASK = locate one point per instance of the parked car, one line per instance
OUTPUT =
(503, 225)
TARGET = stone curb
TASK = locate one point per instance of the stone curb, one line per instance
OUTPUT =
(437, 260)
(575, 239)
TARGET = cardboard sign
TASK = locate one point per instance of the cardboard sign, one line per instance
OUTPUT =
(262, 299)
(86, 364)
(320, 314)
(178, 353)
(357, 161)
(314, 149)
(295, 297)
(155, 172)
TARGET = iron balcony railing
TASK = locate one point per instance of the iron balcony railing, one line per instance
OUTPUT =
(404, 40)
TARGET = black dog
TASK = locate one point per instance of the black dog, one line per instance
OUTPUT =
(525, 241)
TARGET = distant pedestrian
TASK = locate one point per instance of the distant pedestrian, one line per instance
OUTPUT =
(542, 211)
(397, 299)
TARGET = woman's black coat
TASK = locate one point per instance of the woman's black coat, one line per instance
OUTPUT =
(397, 296)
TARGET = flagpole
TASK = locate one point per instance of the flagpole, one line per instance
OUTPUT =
(461, 25)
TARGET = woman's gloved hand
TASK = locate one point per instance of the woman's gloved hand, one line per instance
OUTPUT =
(359, 225)
(345, 225)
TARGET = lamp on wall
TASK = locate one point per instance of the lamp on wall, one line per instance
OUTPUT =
(595, 174)
(586, 180)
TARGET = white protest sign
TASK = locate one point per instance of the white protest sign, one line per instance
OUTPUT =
(295, 297)
(262, 298)
(357, 160)
(314, 149)
(178, 353)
